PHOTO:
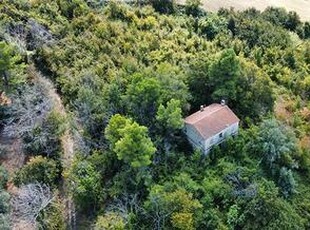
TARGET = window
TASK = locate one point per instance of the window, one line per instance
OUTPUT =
(221, 135)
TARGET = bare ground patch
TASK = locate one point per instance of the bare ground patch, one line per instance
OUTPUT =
(302, 7)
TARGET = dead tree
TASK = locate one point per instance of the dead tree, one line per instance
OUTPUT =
(28, 108)
(39, 34)
(30, 201)
(16, 35)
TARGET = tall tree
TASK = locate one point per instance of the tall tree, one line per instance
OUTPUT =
(130, 141)
(170, 116)
(223, 75)
(6, 62)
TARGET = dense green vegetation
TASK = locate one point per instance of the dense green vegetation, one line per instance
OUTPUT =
(128, 74)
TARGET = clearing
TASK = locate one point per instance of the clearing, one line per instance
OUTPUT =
(302, 7)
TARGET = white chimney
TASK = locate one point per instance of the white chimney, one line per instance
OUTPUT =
(223, 102)
(201, 108)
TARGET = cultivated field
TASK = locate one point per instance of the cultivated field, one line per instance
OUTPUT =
(302, 7)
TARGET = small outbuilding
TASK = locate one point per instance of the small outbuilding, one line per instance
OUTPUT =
(211, 126)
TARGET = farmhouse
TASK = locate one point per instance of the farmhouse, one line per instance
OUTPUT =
(211, 126)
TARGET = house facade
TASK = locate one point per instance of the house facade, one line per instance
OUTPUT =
(211, 126)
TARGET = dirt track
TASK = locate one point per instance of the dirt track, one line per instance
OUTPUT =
(302, 7)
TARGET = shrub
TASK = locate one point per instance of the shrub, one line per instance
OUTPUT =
(3, 177)
(4, 202)
(38, 169)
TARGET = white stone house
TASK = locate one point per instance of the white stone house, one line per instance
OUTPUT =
(211, 126)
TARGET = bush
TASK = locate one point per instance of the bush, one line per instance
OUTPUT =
(3, 177)
(163, 6)
(86, 187)
(4, 202)
(38, 169)
(4, 222)
(2, 151)
(53, 216)
(110, 221)
(44, 139)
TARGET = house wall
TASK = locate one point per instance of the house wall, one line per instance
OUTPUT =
(194, 137)
(221, 136)
(205, 145)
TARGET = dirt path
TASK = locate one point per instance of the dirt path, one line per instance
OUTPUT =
(302, 7)
(67, 144)
(15, 157)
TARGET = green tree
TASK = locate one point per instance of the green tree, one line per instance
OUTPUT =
(223, 75)
(277, 16)
(4, 202)
(110, 221)
(192, 7)
(307, 30)
(38, 169)
(268, 211)
(113, 131)
(177, 205)
(170, 116)
(4, 176)
(86, 185)
(141, 98)
(255, 96)
(293, 21)
(163, 6)
(7, 61)
(233, 216)
(135, 147)
(130, 141)
(286, 182)
(276, 144)
(212, 25)
(5, 222)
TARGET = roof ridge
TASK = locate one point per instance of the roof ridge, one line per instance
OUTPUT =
(216, 110)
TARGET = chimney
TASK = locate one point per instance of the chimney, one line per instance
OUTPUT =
(201, 108)
(223, 102)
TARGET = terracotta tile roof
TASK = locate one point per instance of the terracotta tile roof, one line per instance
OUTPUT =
(212, 119)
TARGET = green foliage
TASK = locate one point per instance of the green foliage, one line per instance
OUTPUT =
(113, 132)
(212, 25)
(276, 144)
(53, 216)
(38, 169)
(142, 97)
(223, 74)
(163, 6)
(111, 221)
(233, 216)
(255, 96)
(4, 176)
(171, 116)
(8, 60)
(267, 211)
(192, 7)
(4, 202)
(44, 139)
(287, 182)
(4, 222)
(307, 30)
(135, 147)
(177, 205)
(129, 141)
(152, 65)
(86, 186)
